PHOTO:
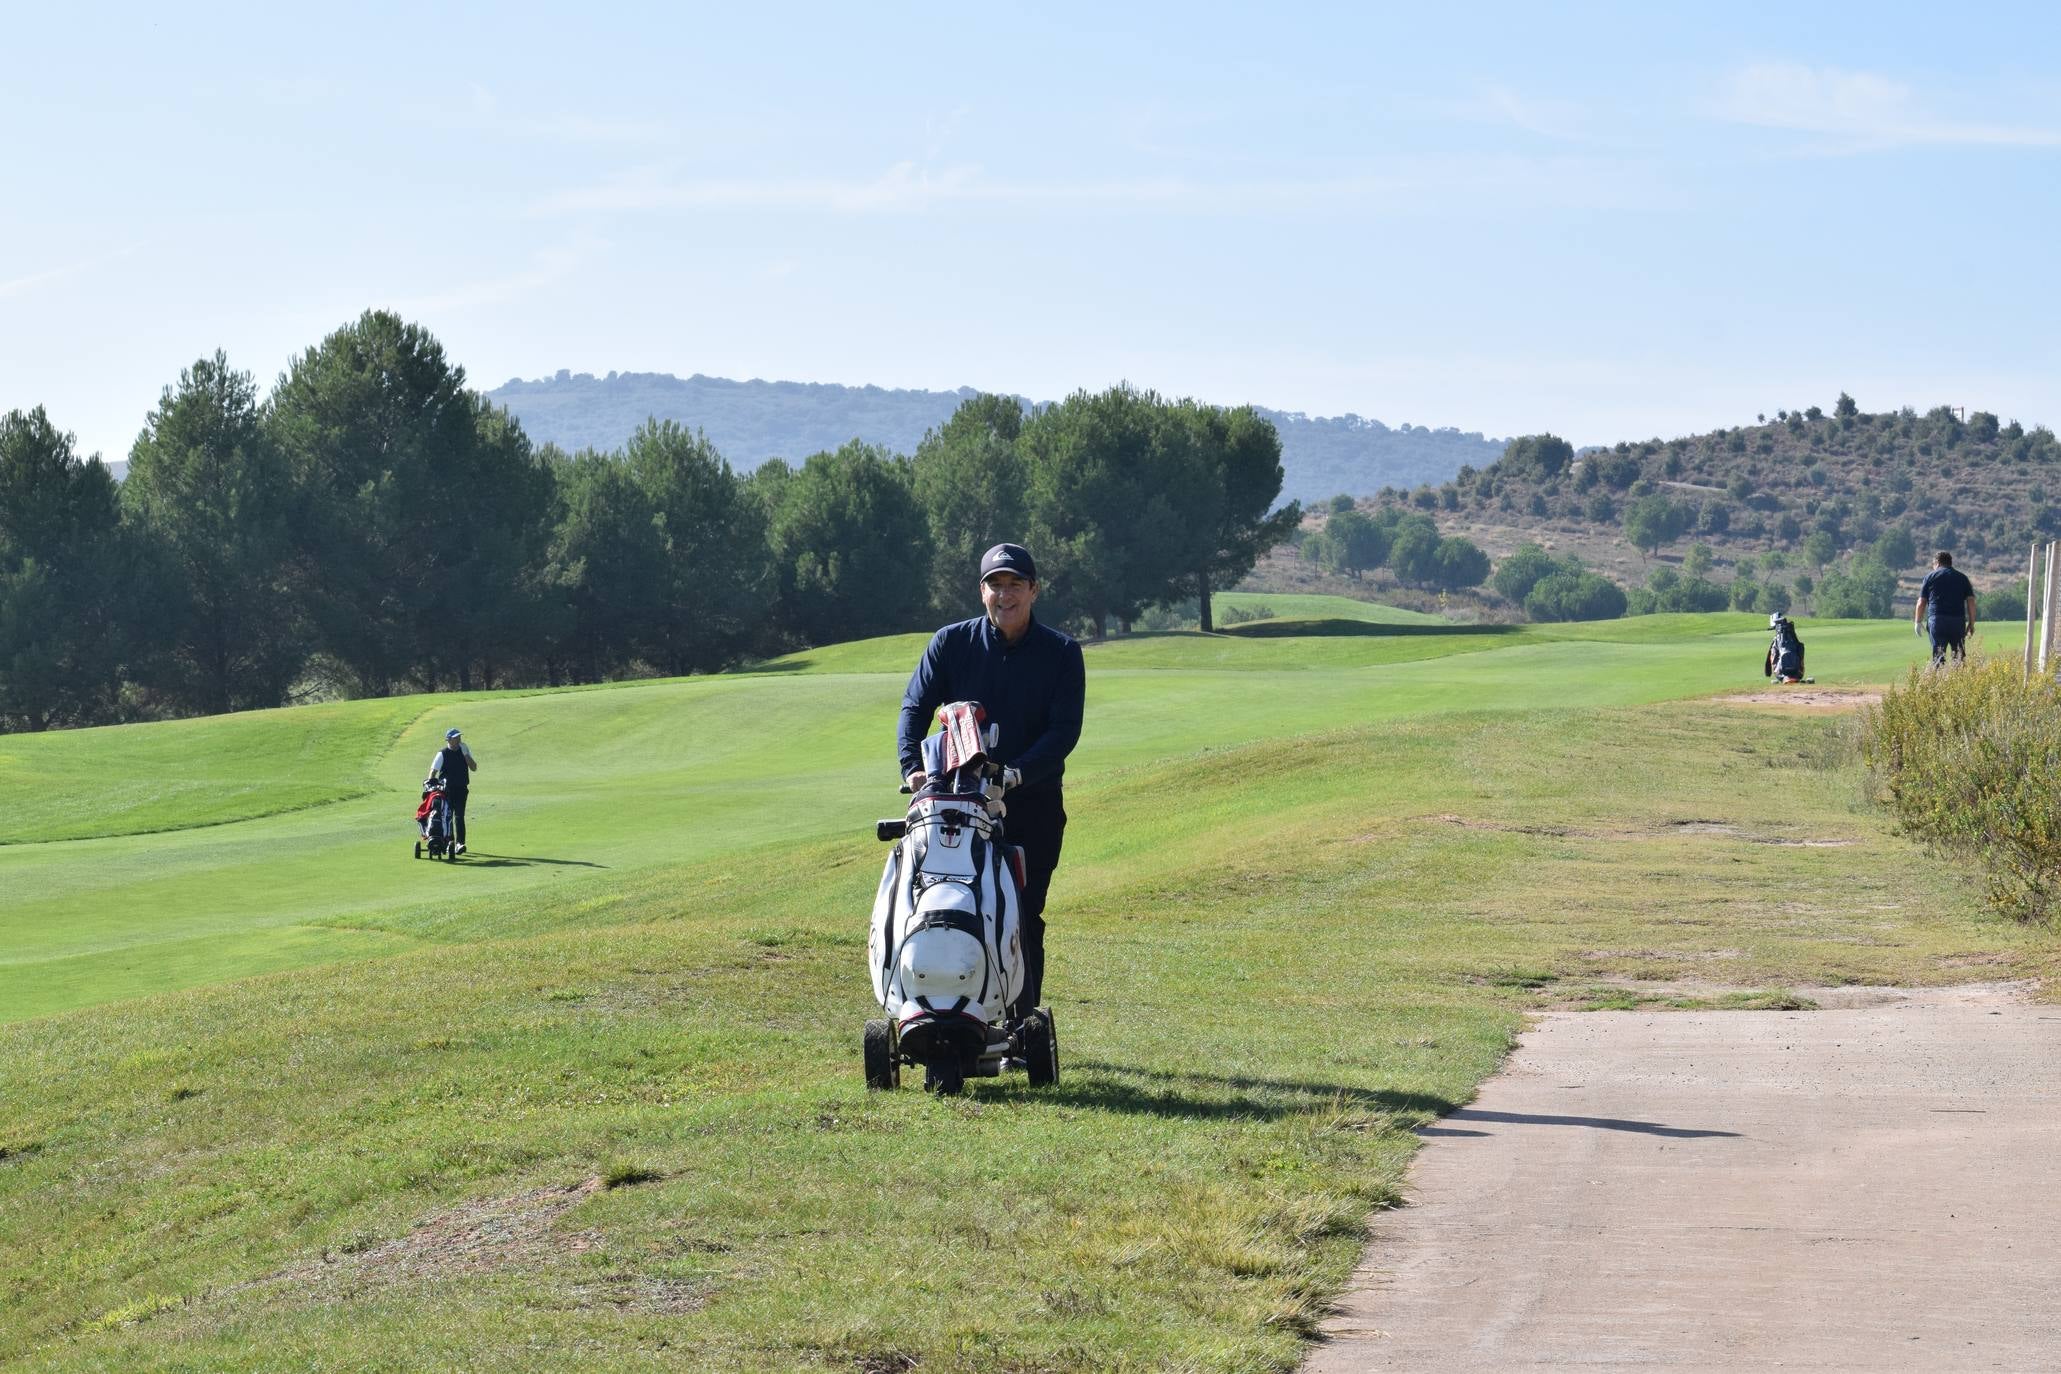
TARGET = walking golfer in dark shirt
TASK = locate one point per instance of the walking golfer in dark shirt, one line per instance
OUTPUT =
(1946, 606)
(454, 765)
(1032, 681)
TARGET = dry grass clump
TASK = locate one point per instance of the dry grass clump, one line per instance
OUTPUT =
(1967, 761)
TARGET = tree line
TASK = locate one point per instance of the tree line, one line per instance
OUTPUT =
(1408, 544)
(375, 526)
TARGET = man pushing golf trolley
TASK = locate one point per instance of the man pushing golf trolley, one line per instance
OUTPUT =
(958, 936)
(947, 940)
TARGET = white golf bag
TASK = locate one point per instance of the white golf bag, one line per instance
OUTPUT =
(946, 948)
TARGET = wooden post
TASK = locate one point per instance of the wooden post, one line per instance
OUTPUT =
(2032, 575)
(2047, 619)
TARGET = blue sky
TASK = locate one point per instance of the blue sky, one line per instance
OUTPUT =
(1610, 221)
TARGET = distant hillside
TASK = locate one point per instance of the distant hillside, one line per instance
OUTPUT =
(1324, 457)
(750, 422)
(1966, 483)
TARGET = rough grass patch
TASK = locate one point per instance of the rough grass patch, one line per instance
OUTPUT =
(1966, 760)
(627, 1175)
(137, 1312)
(1516, 977)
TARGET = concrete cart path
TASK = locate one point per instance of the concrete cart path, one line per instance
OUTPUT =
(1872, 1187)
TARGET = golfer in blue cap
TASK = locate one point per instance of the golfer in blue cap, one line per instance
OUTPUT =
(1032, 681)
(454, 766)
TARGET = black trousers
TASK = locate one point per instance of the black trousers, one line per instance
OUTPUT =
(1037, 822)
(457, 802)
(1949, 636)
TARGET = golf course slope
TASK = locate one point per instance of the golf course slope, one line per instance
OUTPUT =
(275, 1095)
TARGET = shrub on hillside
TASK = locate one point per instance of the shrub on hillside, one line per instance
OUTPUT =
(1865, 590)
(1458, 564)
(1668, 590)
(1574, 596)
(1239, 615)
(1654, 520)
(1350, 542)
(1524, 569)
(1413, 557)
(2006, 603)
(1895, 548)
(1966, 762)
(1541, 455)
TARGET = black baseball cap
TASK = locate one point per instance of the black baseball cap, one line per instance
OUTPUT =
(1013, 558)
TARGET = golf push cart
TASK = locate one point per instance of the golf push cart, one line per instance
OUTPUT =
(946, 945)
(433, 824)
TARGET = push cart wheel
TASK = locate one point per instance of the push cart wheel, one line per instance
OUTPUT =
(418, 849)
(883, 1070)
(943, 1074)
(1041, 1048)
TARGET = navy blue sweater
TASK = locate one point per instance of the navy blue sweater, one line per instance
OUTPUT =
(1946, 592)
(1034, 689)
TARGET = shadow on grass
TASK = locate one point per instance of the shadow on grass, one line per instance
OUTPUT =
(1316, 629)
(1199, 1096)
(1601, 1123)
(478, 860)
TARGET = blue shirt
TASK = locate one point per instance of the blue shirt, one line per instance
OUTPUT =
(1945, 592)
(1034, 689)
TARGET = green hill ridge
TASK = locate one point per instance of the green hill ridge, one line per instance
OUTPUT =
(751, 421)
(1972, 484)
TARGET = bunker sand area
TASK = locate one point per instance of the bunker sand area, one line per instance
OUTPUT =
(1816, 700)
(1871, 1186)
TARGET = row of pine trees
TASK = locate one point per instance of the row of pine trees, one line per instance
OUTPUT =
(374, 526)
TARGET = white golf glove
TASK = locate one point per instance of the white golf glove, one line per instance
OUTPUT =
(1010, 778)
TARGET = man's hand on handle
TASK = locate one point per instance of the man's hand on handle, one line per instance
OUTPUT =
(915, 781)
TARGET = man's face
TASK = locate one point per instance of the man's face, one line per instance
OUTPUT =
(1008, 599)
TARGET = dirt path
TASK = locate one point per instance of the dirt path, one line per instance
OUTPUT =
(1862, 1188)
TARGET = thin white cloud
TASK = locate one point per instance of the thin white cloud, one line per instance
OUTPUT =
(297, 92)
(1859, 111)
(484, 114)
(16, 286)
(907, 187)
(1165, 132)
(548, 268)
(1555, 119)
(902, 187)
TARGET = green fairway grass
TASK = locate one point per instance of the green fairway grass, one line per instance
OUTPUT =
(129, 779)
(275, 1095)
(646, 774)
